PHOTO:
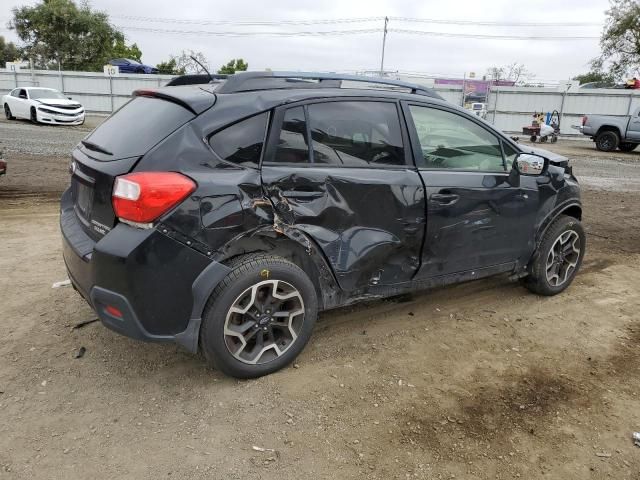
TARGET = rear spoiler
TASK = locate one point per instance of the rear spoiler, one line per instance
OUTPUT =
(195, 98)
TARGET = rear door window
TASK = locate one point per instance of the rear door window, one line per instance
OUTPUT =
(242, 142)
(139, 125)
(356, 133)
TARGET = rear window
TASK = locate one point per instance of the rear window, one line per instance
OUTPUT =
(139, 125)
(241, 143)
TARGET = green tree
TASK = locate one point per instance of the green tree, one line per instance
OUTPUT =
(235, 65)
(595, 76)
(121, 50)
(170, 67)
(8, 52)
(76, 37)
(620, 41)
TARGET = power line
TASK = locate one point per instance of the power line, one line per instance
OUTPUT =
(353, 20)
(354, 32)
(252, 34)
(312, 33)
(490, 37)
(259, 23)
(496, 24)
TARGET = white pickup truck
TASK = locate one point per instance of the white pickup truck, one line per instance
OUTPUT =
(611, 132)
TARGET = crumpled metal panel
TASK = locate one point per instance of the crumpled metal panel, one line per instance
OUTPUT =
(369, 223)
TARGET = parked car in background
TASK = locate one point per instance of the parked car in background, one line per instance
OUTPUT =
(126, 65)
(42, 105)
(613, 132)
(225, 217)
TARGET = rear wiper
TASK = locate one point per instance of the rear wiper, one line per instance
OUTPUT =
(95, 148)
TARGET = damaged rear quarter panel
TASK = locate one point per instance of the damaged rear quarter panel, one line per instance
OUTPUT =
(228, 201)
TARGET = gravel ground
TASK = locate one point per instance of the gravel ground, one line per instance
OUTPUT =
(476, 381)
(614, 171)
(23, 137)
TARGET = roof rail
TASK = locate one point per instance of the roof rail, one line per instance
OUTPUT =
(250, 81)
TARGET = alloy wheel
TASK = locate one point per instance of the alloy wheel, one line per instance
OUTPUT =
(264, 322)
(563, 258)
(605, 144)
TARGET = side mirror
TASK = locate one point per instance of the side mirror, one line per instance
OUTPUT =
(530, 164)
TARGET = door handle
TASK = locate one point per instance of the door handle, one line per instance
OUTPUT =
(301, 194)
(445, 198)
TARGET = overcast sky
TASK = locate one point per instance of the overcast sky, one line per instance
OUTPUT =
(549, 60)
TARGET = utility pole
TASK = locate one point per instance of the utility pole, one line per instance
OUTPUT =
(384, 41)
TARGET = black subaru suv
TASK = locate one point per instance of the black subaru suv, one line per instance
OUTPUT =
(225, 217)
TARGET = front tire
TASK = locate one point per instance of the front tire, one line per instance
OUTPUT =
(7, 113)
(558, 257)
(259, 318)
(607, 141)
(33, 115)
(627, 146)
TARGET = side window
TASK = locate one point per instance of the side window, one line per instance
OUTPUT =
(15, 92)
(509, 154)
(22, 93)
(451, 141)
(356, 133)
(242, 142)
(292, 144)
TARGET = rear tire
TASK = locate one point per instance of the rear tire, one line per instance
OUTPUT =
(259, 318)
(627, 146)
(7, 113)
(607, 141)
(558, 257)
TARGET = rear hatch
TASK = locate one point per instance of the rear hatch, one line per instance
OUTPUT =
(114, 148)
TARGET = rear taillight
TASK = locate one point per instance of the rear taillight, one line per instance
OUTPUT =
(584, 120)
(140, 198)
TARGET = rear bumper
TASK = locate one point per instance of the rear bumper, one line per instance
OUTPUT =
(158, 285)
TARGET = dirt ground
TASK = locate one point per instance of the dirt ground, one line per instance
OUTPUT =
(476, 381)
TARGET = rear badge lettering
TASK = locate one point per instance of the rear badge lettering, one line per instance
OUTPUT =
(100, 228)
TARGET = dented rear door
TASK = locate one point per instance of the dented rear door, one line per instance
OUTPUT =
(341, 172)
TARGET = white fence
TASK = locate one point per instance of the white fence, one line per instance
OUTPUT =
(509, 108)
(97, 92)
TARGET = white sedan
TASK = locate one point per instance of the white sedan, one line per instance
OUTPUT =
(44, 105)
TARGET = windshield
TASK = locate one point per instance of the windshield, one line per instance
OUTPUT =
(133, 62)
(37, 93)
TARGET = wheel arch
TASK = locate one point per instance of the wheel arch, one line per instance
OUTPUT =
(570, 209)
(608, 128)
(295, 246)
